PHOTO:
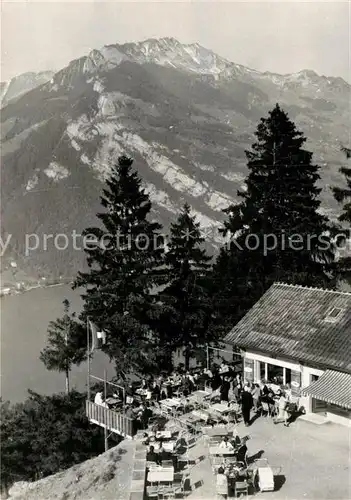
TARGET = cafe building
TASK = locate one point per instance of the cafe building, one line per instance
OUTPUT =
(301, 336)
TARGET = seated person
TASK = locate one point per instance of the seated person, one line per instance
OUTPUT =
(129, 412)
(159, 447)
(236, 441)
(152, 456)
(98, 398)
(180, 447)
(221, 482)
(226, 444)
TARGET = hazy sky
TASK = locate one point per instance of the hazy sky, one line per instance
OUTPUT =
(281, 36)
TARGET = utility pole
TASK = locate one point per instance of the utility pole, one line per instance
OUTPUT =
(66, 344)
(105, 428)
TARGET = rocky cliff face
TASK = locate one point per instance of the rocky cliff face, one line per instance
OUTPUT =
(185, 114)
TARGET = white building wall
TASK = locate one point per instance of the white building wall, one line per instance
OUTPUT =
(306, 376)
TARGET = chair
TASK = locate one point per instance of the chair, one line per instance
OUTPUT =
(241, 488)
(152, 492)
(265, 479)
(216, 463)
(178, 484)
(166, 492)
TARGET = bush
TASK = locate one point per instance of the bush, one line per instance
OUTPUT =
(44, 435)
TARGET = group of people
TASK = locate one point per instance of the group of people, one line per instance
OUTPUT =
(226, 384)
(230, 388)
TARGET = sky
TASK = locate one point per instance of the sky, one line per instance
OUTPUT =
(278, 36)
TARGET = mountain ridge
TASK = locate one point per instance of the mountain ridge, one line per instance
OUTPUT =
(21, 84)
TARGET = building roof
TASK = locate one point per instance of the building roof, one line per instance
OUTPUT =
(332, 387)
(292, 322)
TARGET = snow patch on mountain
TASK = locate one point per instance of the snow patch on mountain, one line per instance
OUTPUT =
(75, 145)
(32, 182)
(161, 198)
(106, 106)
(233, 176)
(56, 172)
(209, 227)
(205, 168)
(84, 159)
(218, 201)
(98, 86)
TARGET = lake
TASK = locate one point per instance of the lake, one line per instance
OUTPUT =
(24, 322)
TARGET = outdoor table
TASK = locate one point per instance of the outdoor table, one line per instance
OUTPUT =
(170, 403)
(163, 434)
(220, 408)
(201, 415)
(216, 450)
(169, 446)
(161, 475)
(113, 401)
(217, 431)
(199, 395)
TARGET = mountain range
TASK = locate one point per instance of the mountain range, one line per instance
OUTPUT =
(185, 114)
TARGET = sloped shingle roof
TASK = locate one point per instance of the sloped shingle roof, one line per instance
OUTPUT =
(289, 321)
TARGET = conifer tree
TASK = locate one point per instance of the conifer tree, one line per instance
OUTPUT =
(344, 195)
(65, 344)
(124, 257)
(185, 299)
(277, 233)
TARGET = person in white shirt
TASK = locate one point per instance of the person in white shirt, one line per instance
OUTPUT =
(98, 398)
(226, 444)
(208, 373)
(223, 368)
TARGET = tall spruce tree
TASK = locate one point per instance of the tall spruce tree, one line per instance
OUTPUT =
(277, 233)
(185, 299)
(344, 195)
(65, 344)
(124, 256)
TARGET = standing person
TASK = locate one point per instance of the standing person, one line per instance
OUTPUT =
(282, 408)
(156, 391)
(237, 380)
(216, 380)
(169, 390)
(256, 394)
(237, 392)
(225, 390)
(246, 405)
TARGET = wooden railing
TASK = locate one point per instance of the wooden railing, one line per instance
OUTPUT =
(112, 420)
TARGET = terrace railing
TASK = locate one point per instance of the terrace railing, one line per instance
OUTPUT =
(113, 421)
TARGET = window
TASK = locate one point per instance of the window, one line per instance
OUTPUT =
(275, 374)
(334, 314)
